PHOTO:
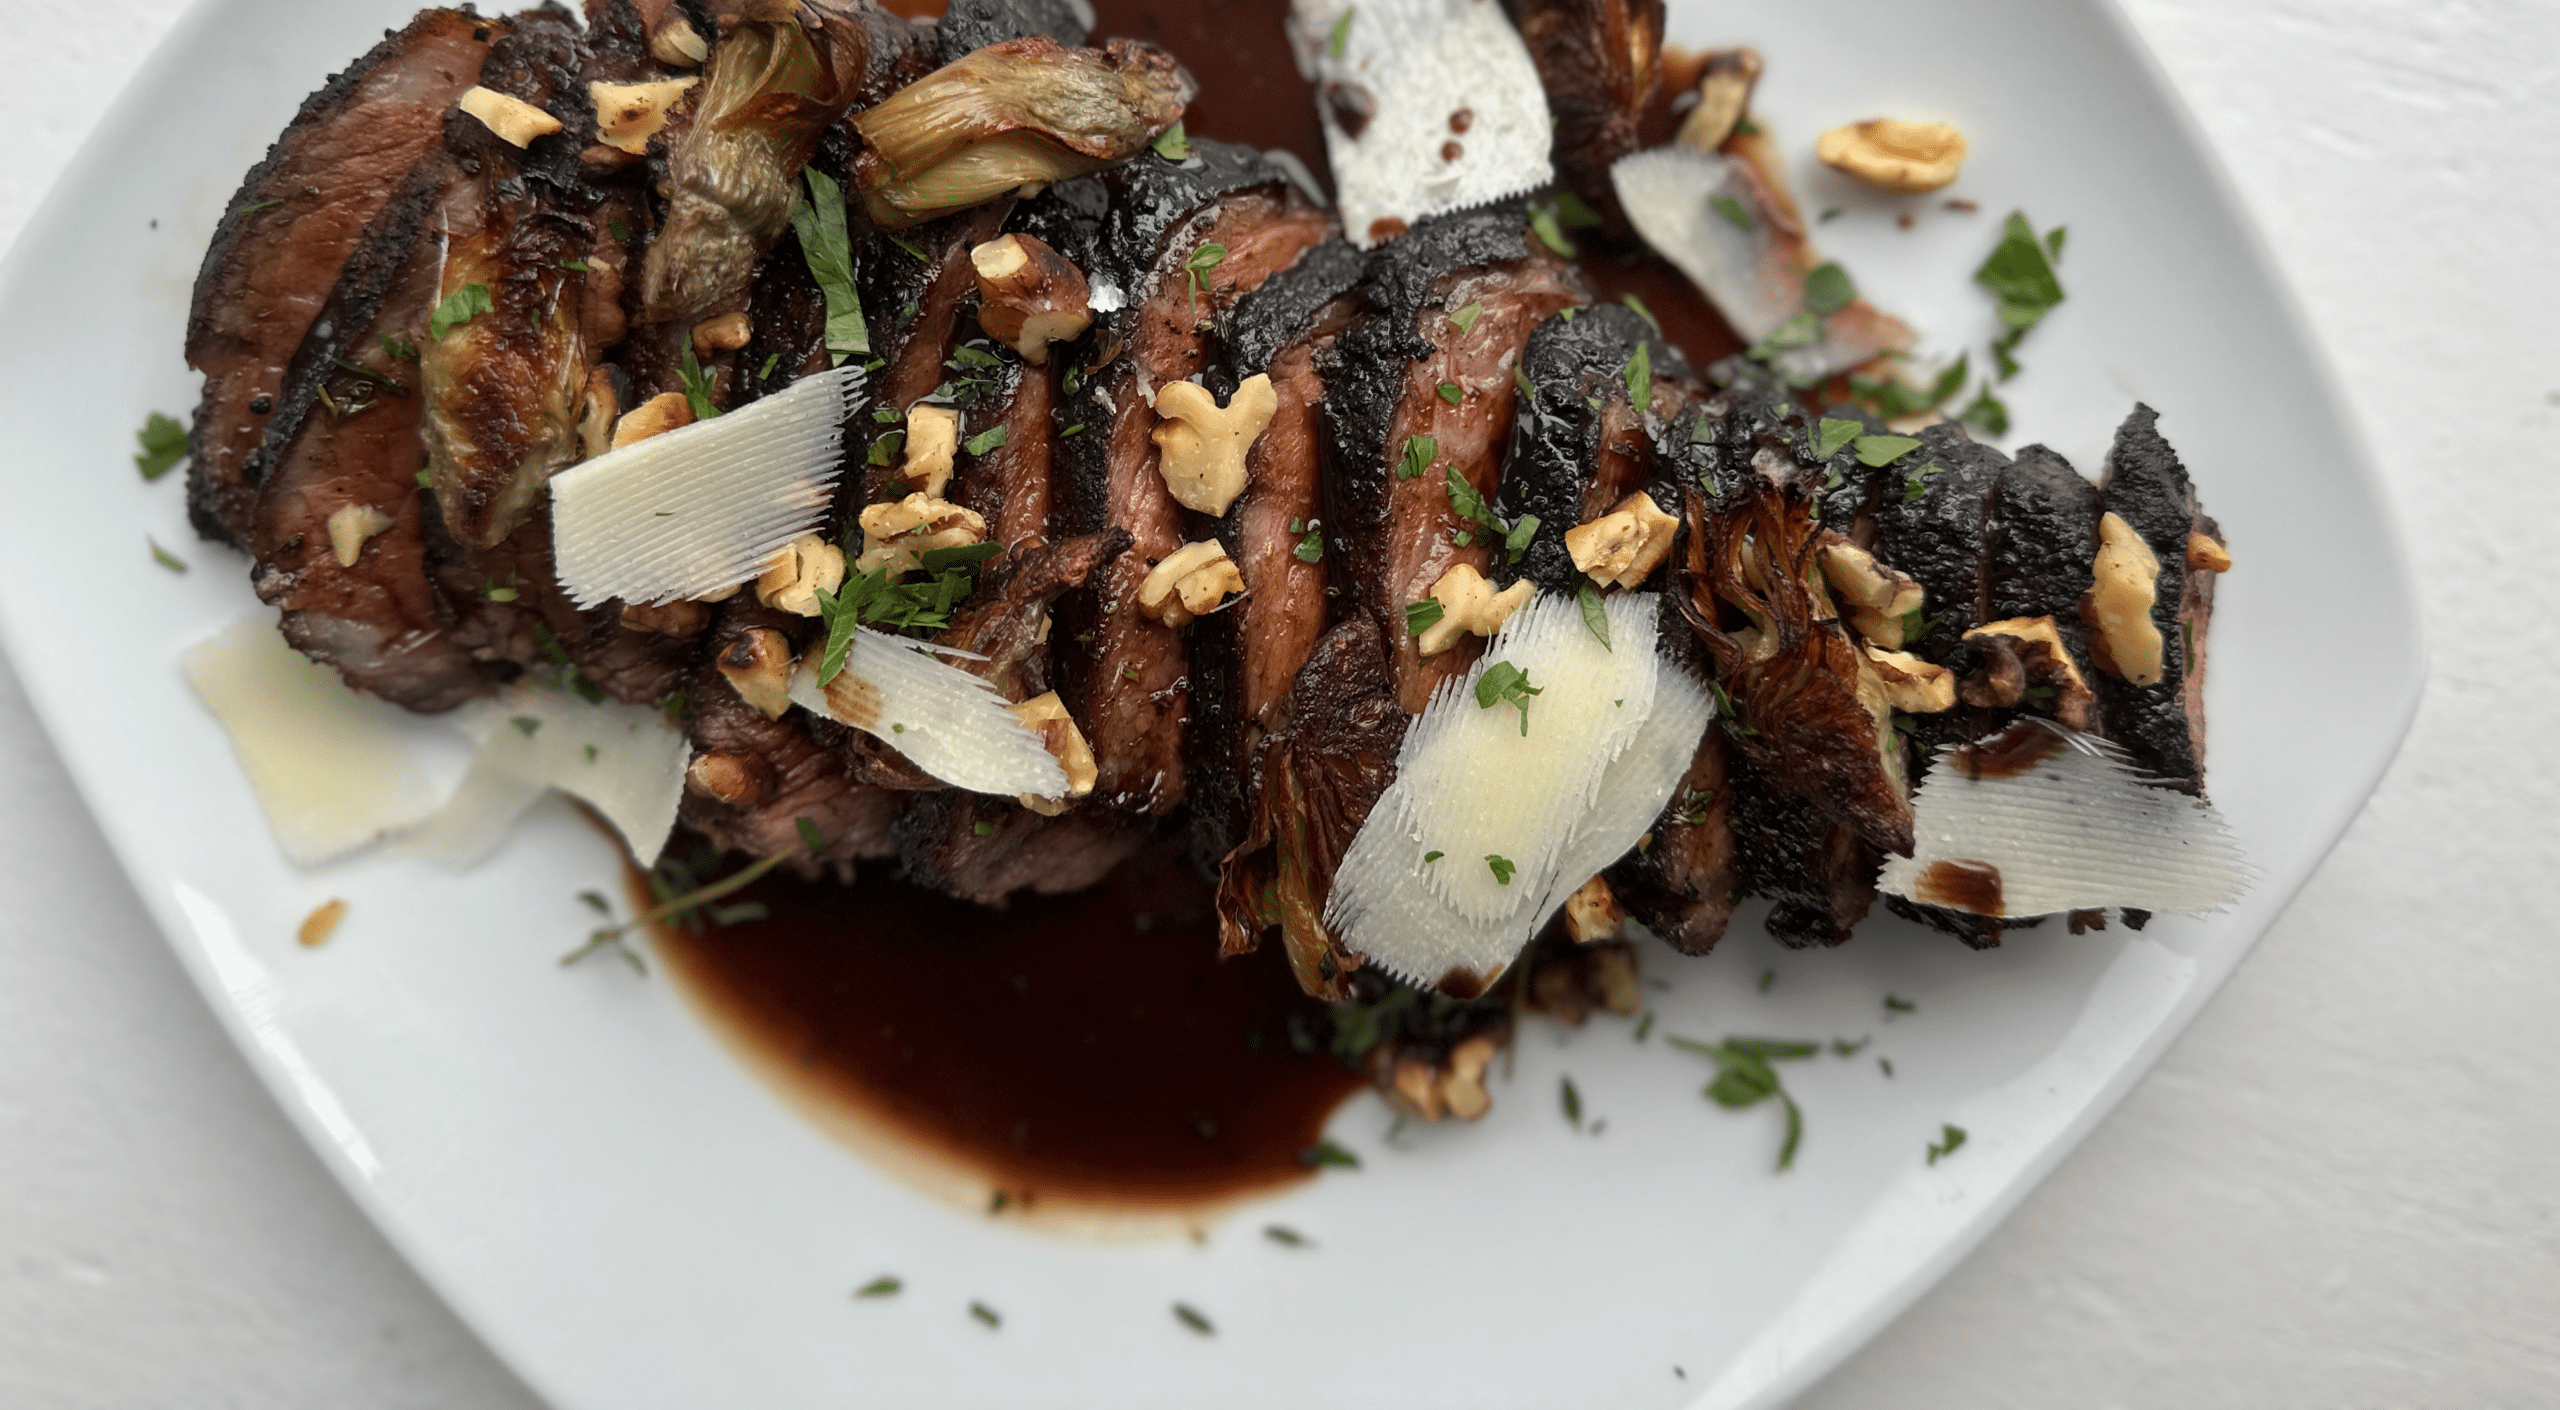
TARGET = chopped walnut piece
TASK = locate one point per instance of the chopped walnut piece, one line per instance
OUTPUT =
(1469, 604)
(516, 121)
(1894, 154)
(809, 565)
(1190, 582)
(1463, 1089)
(2205, 554)
(1622, 547)
(2027, 652)
(349, 526)
(1877, 597)
(676, 619)
(896, 536)
(1915, 686)
(734, 778)
(933, 442)
(1592, 914)
(629, 114)
(726, 333)
(322, 923)
(678, 45)
(757, 665)
(1030, 296)
(667, 411)
(1204, 444)
(2123, 640)
(1047, 716)
(1724, 97)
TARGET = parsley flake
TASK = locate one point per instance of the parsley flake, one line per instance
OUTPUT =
(1876, 452)
(1639, 375)
(1505, 684)
(164, 444)
(1175, 144)
(1429, 857)
(1465, 319)
(1503, 868)
(1571, 1098)
(1595, 613)
(1828, 289)
(1833, 434)
(1340, 39)
(1642, 312)
(1947, 1144)
(458, 308)
(697, 383)
(1189, 1316)
(1744, 1079)
(828, 251)
(164, 557)
(1419, 452)
(1325, 1153)
(990, 439)
(1196, 269)
(882, 1286)
(1731, 210)
(1452, 393)
(1311, 548)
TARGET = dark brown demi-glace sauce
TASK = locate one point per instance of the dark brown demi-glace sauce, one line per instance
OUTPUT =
(1090, 1048)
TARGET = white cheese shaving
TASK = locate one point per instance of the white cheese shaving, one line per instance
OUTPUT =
(949, 723)
(706, 506)
(625, 761)
(333, 770)
(1592, 774)
(2079, 830)
(1412, 66)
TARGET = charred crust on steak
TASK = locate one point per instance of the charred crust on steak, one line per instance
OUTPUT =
(1580, 445)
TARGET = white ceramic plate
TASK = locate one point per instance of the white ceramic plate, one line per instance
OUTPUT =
(632, 1220)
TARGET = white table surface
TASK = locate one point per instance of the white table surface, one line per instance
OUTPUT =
(2342, 1187)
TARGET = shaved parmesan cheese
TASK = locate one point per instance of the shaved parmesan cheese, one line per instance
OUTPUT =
(333, 769)
(2068, 825)
(625, 761)
(1418, 892)
(949, 723)
(1391, 75)
(1636, 788)
(1742, 243)
(706, 506)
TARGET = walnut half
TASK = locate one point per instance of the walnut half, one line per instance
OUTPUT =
(1190, 582)
(2123, 639)
(516, 121)
(1878, 597)
(896, 536)
(629, 114)
(1203, 444)
(1048, 718)
(1469, 604)
(809, 565)
(757, 665)
(1894, 154)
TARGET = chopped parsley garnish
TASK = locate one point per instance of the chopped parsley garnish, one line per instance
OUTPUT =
(697, 383)
(458, 308)
(1595, 613)
(1325, 1153)
(1694, 806)
(1503, 868)
(1731, 210)
(620, 232)
(902, 242)
(574, 266)
(1876, 452)
(1542, 223)
(526, 725)
(1744, 1079)
(1465, 318)
(1829, 289)
(921, 605)
(1768, 977)
(1639, 376)
(1072, 431)
(1802, 331)
(256, 206)
(1336, 42)
(885, 450)
(882, 1286)
(983, 829)
(1842, 1047)
(810, 837)
(1452, 393)
(164, 444)
(164, 557)
(1465, 502)
(1918, 485)
(1505, 684)
(1644, 1026)
(1833, 434)
(1528, 389)
(1175, 144)
(1429, 857)
(680, 898)
(1189, 1316)
(1642, 312)
(1948, 1144)
(828, 251)
(1419, 452)
(1516, 542)
(398, 347)
(990, 439)
(1311, 548)
(1572, 1101)
(1196, 269)
(2019, 275)
(1898, 1005)
(1830, 214)
(1284, 1235)
(985, 1314)
(1987, 414)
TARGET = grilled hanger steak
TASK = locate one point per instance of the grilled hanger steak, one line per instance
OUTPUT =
(1451, 627)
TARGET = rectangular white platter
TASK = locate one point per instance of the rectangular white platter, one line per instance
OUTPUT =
(632, 1220)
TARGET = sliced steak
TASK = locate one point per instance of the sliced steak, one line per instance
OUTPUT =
(290, 229)
(2161, 725)
(1581, 444)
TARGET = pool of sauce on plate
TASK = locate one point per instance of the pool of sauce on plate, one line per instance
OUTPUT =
(1091, 1047)
(1250, 92)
